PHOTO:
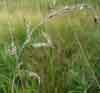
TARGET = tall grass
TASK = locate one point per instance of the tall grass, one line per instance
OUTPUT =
(44, 49)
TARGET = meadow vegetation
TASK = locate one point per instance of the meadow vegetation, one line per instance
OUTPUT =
(45, 53)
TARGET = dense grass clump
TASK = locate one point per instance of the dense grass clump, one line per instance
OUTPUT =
(49, 46)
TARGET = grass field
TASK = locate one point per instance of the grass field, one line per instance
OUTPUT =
(45, 48)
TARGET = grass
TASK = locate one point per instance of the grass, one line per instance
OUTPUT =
(60, 55)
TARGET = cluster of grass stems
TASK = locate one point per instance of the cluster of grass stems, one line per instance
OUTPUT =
(49, 46)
